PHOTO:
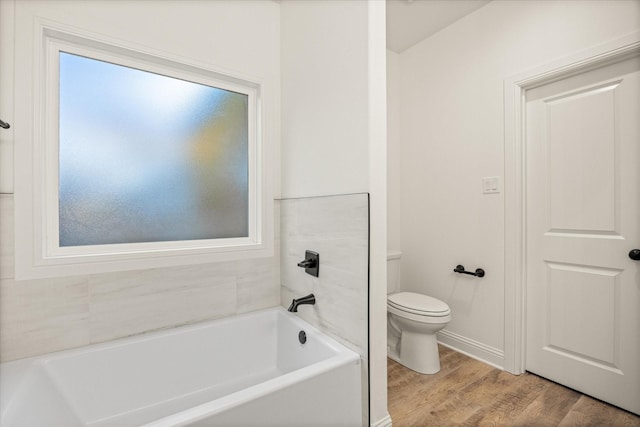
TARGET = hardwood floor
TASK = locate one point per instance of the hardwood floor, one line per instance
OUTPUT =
(467, 392)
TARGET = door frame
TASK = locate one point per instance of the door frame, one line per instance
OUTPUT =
(515, 88)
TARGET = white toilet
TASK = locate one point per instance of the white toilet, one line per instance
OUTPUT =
(413, 320)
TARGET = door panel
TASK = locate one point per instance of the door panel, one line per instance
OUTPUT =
(581, 160)
(572, 326)
(583, 214)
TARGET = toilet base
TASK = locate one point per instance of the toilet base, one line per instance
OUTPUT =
(419, 352)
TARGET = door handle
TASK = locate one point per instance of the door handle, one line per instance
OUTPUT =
(634, 254)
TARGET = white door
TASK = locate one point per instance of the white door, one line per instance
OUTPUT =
(582, 220)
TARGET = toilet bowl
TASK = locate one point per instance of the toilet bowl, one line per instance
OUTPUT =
(413, 320)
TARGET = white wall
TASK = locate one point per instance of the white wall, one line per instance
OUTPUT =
(394, 182)
(6, 100)
(377, 135)
(324, 96)
(452, 135)
(40, 316)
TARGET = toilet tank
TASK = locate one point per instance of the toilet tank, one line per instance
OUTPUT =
(393, 271)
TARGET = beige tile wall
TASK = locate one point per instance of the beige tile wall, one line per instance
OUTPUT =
(41, 316)
(337, 227)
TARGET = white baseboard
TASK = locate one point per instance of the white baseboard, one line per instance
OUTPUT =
(384, 422)
(484, 353)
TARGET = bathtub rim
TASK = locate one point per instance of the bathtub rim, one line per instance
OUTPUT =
(15, 374)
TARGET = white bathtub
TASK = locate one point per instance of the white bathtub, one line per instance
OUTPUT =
(249, 370)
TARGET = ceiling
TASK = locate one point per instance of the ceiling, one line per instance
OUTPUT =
(410, 21)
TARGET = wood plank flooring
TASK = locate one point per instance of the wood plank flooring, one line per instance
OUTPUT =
(467, 392)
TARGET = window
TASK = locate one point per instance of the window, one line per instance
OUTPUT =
(145, 157)
(145, 162)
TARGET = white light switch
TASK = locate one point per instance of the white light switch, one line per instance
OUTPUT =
(490, 184)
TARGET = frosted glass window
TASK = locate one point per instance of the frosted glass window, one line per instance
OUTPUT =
(147, 158)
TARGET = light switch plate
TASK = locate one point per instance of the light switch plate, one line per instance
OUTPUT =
(490, 184)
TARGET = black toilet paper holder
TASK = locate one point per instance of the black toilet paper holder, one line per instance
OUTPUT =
(460, 269)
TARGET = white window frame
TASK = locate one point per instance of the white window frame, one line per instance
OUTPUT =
(38, 252)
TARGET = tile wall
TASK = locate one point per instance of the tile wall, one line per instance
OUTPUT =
(337, 227)
(41, 316)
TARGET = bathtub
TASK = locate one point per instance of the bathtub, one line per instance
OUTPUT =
(248, 370)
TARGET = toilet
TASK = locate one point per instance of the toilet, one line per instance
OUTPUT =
(412, 322)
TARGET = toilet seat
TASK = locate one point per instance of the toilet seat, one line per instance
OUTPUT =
(418, 304)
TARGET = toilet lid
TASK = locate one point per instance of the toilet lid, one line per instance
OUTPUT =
(418, 304)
